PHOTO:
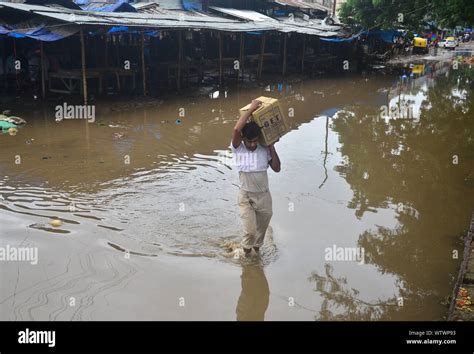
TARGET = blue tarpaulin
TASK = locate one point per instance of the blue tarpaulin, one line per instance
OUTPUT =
(3, 30)
(341, 40)
(41, 32)
(118, 29)
(192, 5)
(118, 6)
(386, 36)
(125, 29)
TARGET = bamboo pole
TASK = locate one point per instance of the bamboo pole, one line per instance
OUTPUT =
(180, 57)
(242, 54)
(83, 63)
(143, 63)
(303, 54)
(285, 40)
(16, 71)
(262, 52)
(220, 58)
(43, 86)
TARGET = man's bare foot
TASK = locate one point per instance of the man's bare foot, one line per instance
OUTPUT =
(247, 252)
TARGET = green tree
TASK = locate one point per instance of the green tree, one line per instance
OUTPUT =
(409, 14)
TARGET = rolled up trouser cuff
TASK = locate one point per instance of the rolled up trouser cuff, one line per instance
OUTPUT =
(255, 211)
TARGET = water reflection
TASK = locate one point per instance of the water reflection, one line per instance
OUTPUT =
(337, 294)
(422, 169)
(254, 297)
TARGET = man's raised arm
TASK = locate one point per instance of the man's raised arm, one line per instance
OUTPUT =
(237, 134)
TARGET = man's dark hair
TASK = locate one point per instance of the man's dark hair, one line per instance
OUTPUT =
(251, 130)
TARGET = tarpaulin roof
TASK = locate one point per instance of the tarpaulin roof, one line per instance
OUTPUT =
(342, 40)
(192, 5)
(180, 20)
(102, 6)
(386, 36)
(40, 30)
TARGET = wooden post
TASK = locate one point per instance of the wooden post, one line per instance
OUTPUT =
(220, 58)
(16, 71)
(83, 63)
(106, 48)
(43, 87)
(117, 48)
(262, 52)
(143, 63)
(180, 57)
(285, 39)
(303, 54)
(242, 54)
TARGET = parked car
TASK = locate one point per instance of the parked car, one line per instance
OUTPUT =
(448, 43)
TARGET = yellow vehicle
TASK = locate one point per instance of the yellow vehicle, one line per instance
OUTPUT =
(420, 45)
(418, 69)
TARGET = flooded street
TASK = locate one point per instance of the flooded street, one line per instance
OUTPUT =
(148, 197)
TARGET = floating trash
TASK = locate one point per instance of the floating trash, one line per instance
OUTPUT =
(214, 95)
(6, 126)
(12, 131)
(55, 222)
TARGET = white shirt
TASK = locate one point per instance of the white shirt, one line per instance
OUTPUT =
(245, 160)
(252, 167)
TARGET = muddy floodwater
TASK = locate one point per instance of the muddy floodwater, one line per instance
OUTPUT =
(147, 196)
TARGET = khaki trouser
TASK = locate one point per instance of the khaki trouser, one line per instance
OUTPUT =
(255, 212)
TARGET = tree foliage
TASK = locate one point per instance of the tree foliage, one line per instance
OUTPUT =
(409, 14)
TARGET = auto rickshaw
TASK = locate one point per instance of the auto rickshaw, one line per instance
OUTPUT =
(420, 45)
(418, 69)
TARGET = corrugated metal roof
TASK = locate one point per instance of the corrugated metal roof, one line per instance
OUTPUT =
(150, 7)
(244, 14)
(178, 20)
(166, 21)
(302, 4)
(310, 23)
(284, 24)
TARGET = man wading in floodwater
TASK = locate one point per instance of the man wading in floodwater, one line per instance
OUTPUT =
(252, 160)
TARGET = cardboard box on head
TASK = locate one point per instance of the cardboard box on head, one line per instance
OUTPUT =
(270, 118)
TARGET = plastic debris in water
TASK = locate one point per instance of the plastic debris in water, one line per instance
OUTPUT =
(56, 222)
(12, 131)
